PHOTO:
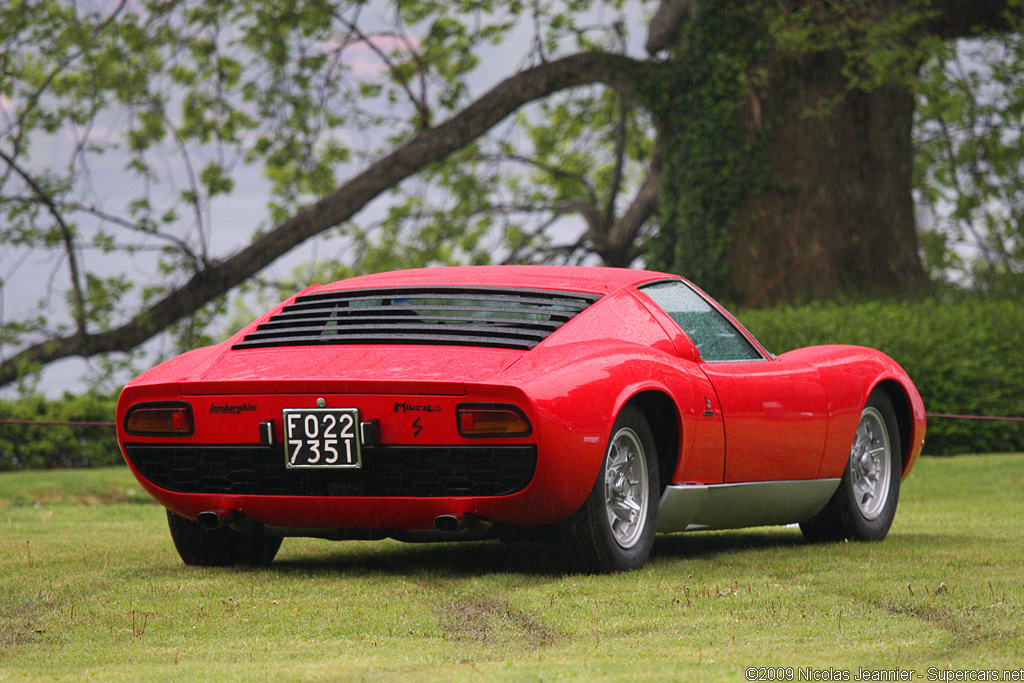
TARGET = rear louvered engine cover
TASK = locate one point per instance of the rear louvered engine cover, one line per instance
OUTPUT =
(459, 316)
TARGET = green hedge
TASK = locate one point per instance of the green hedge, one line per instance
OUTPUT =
(965, 357)
(40, 446)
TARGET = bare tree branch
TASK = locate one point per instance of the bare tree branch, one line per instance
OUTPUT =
(37, 95)
(625, 231)
(66, 235)
(567, 250)
(427, 147)
(180, 244)
(419, 103)
(553, 171)
(559, 208)
(621, 133)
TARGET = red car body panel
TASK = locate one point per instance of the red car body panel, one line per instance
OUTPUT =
(787, 418)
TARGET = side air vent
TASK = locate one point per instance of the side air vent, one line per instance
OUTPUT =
(503, 317)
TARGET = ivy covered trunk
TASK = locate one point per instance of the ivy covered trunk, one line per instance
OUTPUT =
(781, 182)
(834, 216)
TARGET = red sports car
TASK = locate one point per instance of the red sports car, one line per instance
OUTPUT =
(593, 406)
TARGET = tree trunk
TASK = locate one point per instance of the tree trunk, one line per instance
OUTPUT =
(783, 182)
(836, 217)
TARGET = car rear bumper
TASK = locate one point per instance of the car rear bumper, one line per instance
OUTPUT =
(318, 500)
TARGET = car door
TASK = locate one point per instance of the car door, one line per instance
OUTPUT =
(775, 410)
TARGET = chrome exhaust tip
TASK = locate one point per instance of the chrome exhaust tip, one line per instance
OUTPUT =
(450, 523)
(215, 519)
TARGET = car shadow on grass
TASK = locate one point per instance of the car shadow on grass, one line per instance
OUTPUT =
(474, 558)
(707, 544)
(539, 559)
(455, 559)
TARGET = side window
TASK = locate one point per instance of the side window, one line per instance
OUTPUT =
(714, 336)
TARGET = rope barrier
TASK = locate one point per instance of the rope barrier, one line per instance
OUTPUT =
(111, 424)
(975, 417)
(56, 423)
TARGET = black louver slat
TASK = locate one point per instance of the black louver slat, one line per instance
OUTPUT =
(459, 316)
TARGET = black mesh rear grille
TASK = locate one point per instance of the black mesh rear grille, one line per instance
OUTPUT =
(461, 316)
(420, 471)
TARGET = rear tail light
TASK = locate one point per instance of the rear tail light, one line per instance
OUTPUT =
(491, 419)
(160, 419)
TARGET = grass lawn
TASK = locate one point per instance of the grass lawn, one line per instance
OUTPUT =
(92, 589)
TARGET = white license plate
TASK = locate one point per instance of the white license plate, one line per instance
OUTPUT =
(322, 437)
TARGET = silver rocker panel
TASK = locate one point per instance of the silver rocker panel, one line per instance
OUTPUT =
(690, 507)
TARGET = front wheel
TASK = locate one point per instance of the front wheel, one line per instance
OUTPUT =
(220, 547)
(863, 507)
(614, 529)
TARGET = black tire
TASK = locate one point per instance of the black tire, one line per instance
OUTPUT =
(863, 507)
(222, 547)
(607, 534)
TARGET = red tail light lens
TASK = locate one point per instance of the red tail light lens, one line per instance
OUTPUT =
(160, 419)
(491, 419)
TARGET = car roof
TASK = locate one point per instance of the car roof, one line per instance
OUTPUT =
(593, 279)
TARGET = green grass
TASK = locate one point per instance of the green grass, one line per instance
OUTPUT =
(91, 588)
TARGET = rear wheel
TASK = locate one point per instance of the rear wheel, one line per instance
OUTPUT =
(220, 547)
(614, 530)
(864, 505)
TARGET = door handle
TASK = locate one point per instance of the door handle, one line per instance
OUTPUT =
(708, 412)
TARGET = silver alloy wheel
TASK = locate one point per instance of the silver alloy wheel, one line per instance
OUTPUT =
(871, 463)
(626, 487)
